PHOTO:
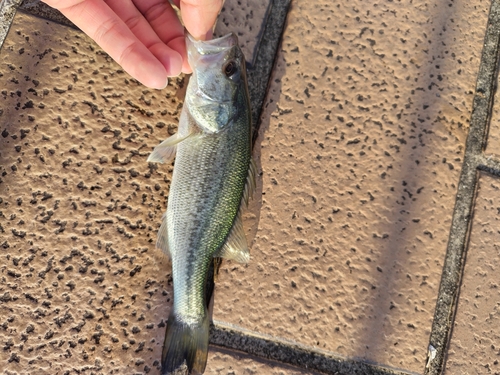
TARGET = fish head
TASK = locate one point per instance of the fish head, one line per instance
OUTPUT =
(219, 73)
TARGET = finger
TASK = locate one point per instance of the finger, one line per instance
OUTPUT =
(98, 21)
(61, 4)
(136, 21)
(179, 44)
(199, 16)
(158, 14)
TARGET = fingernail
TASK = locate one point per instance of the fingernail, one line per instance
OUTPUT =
(166, 84)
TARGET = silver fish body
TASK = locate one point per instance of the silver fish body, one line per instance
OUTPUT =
(211, 178)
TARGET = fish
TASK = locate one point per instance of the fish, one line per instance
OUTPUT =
(213, 178)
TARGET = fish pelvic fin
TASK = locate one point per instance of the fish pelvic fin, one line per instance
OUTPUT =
(236, 246)
(186, 345)
(162, 241)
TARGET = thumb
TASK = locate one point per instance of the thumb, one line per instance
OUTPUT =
(199, 16)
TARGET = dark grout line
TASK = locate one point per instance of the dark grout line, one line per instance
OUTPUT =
(8, 10)
(260, 74)
(7, 13)
(462, 215)
(42, 10)
(271, 348)
(489, 165)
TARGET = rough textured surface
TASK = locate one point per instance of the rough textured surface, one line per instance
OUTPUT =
(474, 347)
(76, 296)
(462, 216)
(80, 285)
(80, 131)
(493, 143)
(360, 154)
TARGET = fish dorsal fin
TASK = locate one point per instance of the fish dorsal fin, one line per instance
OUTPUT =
(162, 241)
(236, 246)
(166, 150)
(251, 184)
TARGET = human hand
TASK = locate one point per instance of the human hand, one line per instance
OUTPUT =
(144, 36)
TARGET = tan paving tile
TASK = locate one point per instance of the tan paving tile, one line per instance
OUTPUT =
(360, 150)
(474, 346)
(80, 284)
(493, 142)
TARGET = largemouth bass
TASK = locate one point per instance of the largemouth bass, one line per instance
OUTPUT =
(213, 176)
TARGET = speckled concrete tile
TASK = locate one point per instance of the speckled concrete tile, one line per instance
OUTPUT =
(360, 149)
(80, 285)
(493, 143)
(82, 288)
(475, 341)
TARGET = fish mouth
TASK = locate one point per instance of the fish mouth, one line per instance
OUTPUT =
(213, 46)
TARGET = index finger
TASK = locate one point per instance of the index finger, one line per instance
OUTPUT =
(199, 16)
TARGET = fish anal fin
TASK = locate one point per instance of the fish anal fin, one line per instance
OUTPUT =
(162, 241)
(236, 246)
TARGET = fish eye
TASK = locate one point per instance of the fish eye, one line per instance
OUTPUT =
(230, 68)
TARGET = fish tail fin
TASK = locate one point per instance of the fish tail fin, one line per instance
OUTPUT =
(186, 345)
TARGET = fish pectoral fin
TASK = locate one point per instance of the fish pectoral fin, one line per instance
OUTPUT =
(250, 185)
(236, 246)
(166, 150)
(162, 241)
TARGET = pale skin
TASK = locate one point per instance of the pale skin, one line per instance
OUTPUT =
(144, 36)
